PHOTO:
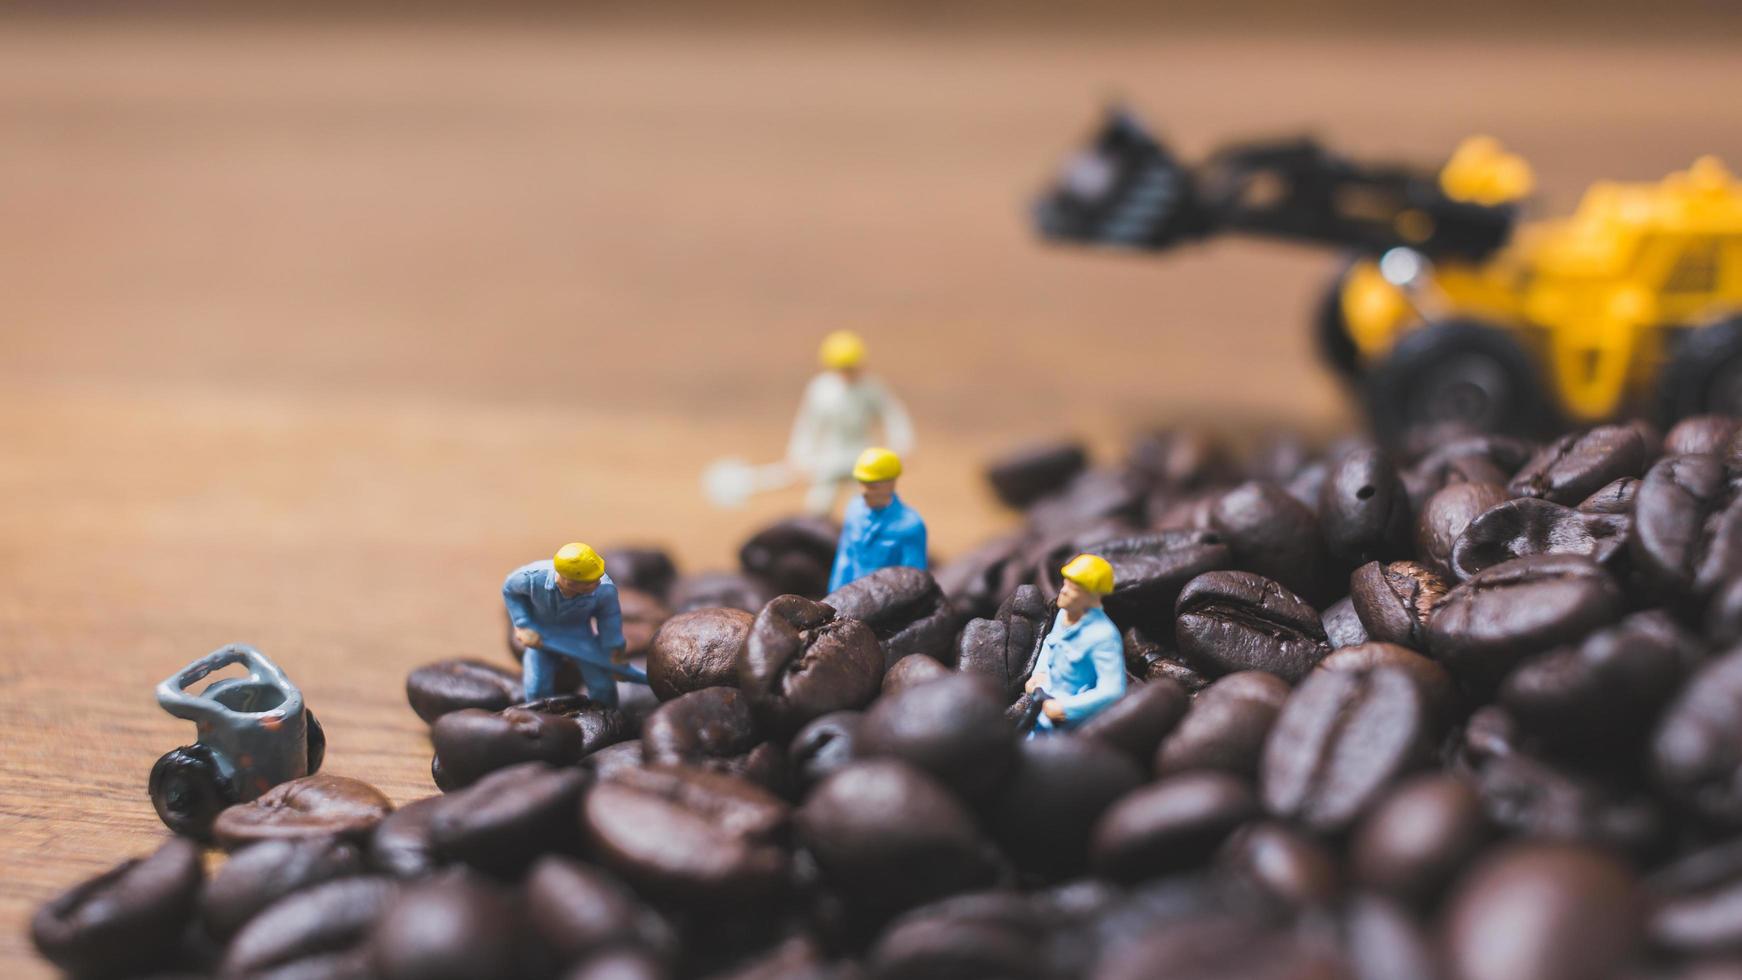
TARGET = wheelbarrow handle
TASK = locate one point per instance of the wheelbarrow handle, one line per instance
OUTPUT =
(1031, 715)
(173, 695)
(623, 671)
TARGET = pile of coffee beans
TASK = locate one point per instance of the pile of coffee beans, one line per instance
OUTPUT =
(1469, 713)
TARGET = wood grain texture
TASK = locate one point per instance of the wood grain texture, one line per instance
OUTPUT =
(308, 335)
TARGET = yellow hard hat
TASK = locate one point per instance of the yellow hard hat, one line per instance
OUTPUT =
(579, 562)
(841, 349)
(876, 465)
(1091, 572)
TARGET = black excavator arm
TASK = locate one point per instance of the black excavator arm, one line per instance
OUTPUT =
(1126, 189)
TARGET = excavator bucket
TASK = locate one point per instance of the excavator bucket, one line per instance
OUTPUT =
(1124, 189)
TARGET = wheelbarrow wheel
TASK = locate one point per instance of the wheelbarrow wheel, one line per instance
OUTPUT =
(188, 790)
(317, 743)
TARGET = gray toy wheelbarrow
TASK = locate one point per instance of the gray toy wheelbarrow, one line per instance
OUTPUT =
(254, 733)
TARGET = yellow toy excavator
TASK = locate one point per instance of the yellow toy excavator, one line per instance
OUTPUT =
(1449, 312)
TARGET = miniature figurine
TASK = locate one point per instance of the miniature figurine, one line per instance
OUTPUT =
(1081, 669)
(254, 733)
(567, 607)
(879, 531)
(835, 419)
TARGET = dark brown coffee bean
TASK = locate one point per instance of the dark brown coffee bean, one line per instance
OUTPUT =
(643, 615)
(470, 744)
(503, 822)
(1576, 465)
(611, 758)
(954, 729)
(891, 836)
(687, 835)
(579, 910)
(258, 875)
(1466, 459)
(709, 728)
(825, 745)
(1343, 736)
(697, 649)
(1003, 649)
(645, 569)
(1363, 509)
(1418, 837)
(1136, 723)
(449, 685)
(1723, 622)
(1147, 658)
(314, 929)
(1432, 680)
(1394, 601)
(125, 920)
(905, 608)
(1385, 943)
(1215, 948)
(1696, 902)
(313, 806)
(1023, 476)
(1169, 825)
(1615, 497)
(802, 662)
(451, 926)
(1566, 913)
(1687, 527)
(1058, 790)
(973, 580)
(793, 555)
(401, 846)
(1445, 515)
(1149, 571)
(1343, 626)
(1225, 727)
(1279, 864)
(620, 964)
(719, 590)
(1700, 435)
(1180, 459)
(1525, 795)
(911, 671)
(1697, 749)
(1092, 495)
(1528, 526)
(1272, 535)
(1232, 621)
(990, 934)
(1486, 626)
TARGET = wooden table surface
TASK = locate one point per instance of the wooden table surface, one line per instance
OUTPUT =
(308, 335)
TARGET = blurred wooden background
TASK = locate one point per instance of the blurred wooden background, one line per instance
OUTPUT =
(310, 332)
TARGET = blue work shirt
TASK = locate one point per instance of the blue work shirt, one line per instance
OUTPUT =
(1082, 665)
(890, 537)
(587, 627)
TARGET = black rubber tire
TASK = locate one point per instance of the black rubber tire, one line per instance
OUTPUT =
(1704, 375)
(1331, 331)
(1456, 375)
(317, 742)
(188, 791)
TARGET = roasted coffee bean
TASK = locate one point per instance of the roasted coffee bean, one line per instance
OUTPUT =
(400, 845)
(1225, 727)
(1604, 694)
(1147, 659)
(891, 836)
(1363, 509)
(1137, 722)
(1418, 837)
(990, 934)
(1444, 516)
(1004, 649)
(258, 875)
(1280, 865)
(802, 662)
(1697, 748)
(1700, 435)
(1432, 680)
(1696, 902)
(688, 836)
(1394, 601)
(1232, 621)
(1343, 736)
(645, 569)
(125, 920)
(620, 964)
(1576, 465)
(1092, 495)
(911, 671)
(1530, 526)
(470, 744)
(451, 926)
(1486, 626)
(1723, 621)
(1219, 948)
(904, 607)
(579, 910)
(503, 822)
(313, 806)
(1180, 459)
(1149, 570)
(712, 725)
(1615, 497)
(1466, 459)
(1526, 795)
(611, 758)
(1687, 527)
(1023, 476)
(1566, 913)
(954, 729)
(1272, 535)
(643, 615)
(312, 932)
(1169, 825)
(1385, 943)
(1343, 626)
(717, 590)
(696, 650)
(825, 745)
(449, 685)
(974, 579)
(1058, 789)
(793, 555)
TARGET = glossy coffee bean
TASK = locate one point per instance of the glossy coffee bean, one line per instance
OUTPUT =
(256, 876)
(697, 649)
(825, 745)
(905, 608)
(1343, 626)
(1233, 621)
(1394, 601)
(1023, 476)
(1149, 658)
(643, 615)
(793, 555)
(1723, 619)
(1272, 535)
(954, 729)
(1384, 942)
(987, 934)
(1615, 497)
(470, 744)
(1226, 726)
(620, 964)
(688, 836)
(1529, 526)
(1169, 825)
(1432, 680)
(1218, 947)
(1443, 518)
(1416, 839)
(1696, 902)
(1180, 459)
(313, 806)
(1058, 789)
(1342, 738)
(802, 662)
(645, 569)
(1486, 626)
(1137, 722)
(128, 918)
(1528, 796)
(450, 927)
(1467, 459)
(1149, 570)
(449, 685)
(504, 821)
(1566, 913)
(612, 758)
(579, 910)
(973, 580)
(1363, 509)
(911, 671)
(1280, 865)
(1003, 649)
(702, 727)
(1687, 527)
(322, 930)
(1700, 435)
(1092, 495)
(1697, 748)
(719, 590)
(1576, 465)
(400, 845)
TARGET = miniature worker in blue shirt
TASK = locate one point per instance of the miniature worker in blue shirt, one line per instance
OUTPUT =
(879, 531)
(1082, 662)
(567, 607)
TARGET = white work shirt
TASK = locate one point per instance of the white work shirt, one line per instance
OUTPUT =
(835, 422)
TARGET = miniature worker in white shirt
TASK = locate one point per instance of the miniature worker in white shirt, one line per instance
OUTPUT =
(841, 408)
